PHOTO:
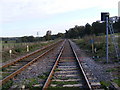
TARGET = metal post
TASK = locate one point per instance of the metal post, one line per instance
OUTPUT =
(107, 39)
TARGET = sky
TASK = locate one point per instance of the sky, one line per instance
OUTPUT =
(27, 17)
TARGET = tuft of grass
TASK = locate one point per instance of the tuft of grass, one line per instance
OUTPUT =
(42, 77)
(3, 69)
(32, 81)
(111, 70)
(46, 73)
(7, 85)
(105, 83)
(5, 74)
(117, 81)
(19, 49)
(57, 69)
(100, 45)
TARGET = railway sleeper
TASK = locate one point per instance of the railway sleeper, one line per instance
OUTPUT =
(71, 71)
(66, 80)
(69, 75)
(64, 61)
(63, 69)
(67, 85)
(63, 73)
(70, 66)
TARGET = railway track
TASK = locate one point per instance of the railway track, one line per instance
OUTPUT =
(12, 69)
(67, 71)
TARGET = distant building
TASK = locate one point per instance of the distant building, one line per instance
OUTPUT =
(99, 21)
(114, 18)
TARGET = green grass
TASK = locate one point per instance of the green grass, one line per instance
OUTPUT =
(5, 74)
(32, 81)
(3, 69)
(57, 69)
(44, 75)
(105, 83)
(117, 81)
(7, 85)
(19, 49)
(1, 77)
(100, 45)
(111, 70)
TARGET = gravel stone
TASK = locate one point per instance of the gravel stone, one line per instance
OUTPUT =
(42, 66)
(98, 69)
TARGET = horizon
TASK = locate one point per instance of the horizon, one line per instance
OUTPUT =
(26, 18)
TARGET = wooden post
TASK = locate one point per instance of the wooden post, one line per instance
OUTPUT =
(10, 51)
(27, 48)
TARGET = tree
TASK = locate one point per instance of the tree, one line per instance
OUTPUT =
(60, 35)
(98, 28)
(81, 31)
(116, 26)
(87, 29)
(48, 35)
(27, 39)
(30, 39)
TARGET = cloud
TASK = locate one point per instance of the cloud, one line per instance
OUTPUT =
(19, 10)
(119, 9)
(13, 10)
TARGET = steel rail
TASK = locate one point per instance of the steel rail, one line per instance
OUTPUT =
(54, 67)
(24, 67)
(87, 81)
(26, 56)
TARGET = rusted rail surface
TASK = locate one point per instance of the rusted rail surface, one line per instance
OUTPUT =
(33, 53)
(52, 46)
(52, 71)
(48, 81)
(87, 81)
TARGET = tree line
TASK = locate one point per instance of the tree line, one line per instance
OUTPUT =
(96, 28)
(32, 38)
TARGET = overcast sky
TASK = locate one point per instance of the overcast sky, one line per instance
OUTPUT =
(27, 17)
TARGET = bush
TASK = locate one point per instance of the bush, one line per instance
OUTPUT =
(18, 50)
(7, 85)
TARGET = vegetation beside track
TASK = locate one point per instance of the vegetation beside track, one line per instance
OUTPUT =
(7, 85)
(99, 44)
(19, 49)
(100, 55)
(31, 82)
(106, 84)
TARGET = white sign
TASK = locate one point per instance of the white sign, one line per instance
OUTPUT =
(10, 51)
(27, 48)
